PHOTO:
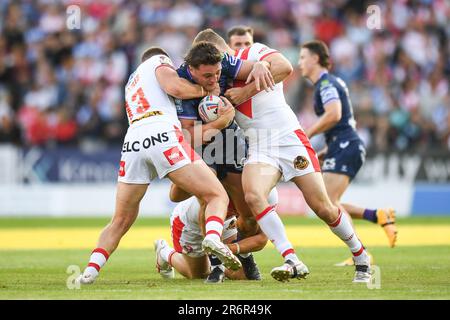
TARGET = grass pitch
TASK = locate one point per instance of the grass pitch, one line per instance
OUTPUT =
(35, 255)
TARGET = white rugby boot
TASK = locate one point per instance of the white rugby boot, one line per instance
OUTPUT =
(362, 268)
(162, 266)
(221, 251)
(290, 270)
(88, 276)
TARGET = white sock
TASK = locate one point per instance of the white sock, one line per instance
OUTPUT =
(97, 260)
(343, 228)
(166, 252)
(213, 228)
(273, 227)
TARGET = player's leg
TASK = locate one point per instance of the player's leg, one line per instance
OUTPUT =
(167, 259)
(232, 238)
(233, 185)
(128, 198)
(383, 217)
(248, 227)
(176, 194)
(336, 185)
(191, 267)
(258, 179)
(315, 194)
(246, 243)
(196, 178)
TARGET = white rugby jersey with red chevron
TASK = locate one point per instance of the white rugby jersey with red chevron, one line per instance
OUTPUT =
(265, 110)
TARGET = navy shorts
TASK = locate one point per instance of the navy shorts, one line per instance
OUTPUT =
(229, 153)
(344, 157)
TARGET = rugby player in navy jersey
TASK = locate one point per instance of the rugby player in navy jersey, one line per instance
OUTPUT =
(345, 151)
(223, 147)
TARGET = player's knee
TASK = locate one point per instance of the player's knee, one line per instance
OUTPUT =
(334, 198)
(214, 195)
(335, 202)
(122, 224)
(327, 212)
(252, 198)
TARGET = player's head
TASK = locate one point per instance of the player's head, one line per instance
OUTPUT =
(240, 37)
(204, 62)
(153, 51)
(209, 35)
(314, 55)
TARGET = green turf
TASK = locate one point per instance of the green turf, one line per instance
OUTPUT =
(51, 222)
(406, 273)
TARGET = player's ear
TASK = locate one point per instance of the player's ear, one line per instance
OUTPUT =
(316, 58)
(191, 69)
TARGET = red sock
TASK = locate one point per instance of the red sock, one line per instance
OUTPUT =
(214, 227)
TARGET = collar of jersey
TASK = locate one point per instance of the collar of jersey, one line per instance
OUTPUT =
(189, 74)
(322, 74)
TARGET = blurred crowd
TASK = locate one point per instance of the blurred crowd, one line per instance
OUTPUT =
(63, 84)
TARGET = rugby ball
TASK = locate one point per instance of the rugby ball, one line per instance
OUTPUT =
(208, 108)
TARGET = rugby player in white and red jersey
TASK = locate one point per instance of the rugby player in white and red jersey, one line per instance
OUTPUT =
(241, 37)
(279, 149)
(154, 147)
(186, 255)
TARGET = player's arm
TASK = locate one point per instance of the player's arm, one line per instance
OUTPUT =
(250, 244)
(177, 87)
(259, 72)
(332, 115)
(208, 130)
(280, 68)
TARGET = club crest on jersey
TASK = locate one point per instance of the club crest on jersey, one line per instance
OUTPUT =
(301, 163)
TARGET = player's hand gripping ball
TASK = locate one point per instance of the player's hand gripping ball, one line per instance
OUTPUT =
(208, 108)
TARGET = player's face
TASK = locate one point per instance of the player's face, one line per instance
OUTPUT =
(241, 42)
(207, 75)
(306, 62)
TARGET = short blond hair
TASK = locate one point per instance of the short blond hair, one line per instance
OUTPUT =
(209, 35)
(153, 51)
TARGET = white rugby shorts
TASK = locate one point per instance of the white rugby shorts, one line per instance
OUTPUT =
(153, 149)
(187, 237)
(291, 154)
